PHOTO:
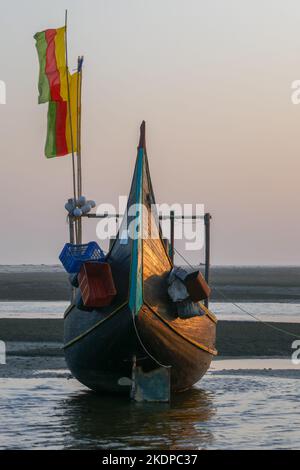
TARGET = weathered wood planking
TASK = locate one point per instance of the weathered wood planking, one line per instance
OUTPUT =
(188, 363)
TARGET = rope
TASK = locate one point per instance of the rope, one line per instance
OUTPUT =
(273, 327)
(184, 259)
(143, 346)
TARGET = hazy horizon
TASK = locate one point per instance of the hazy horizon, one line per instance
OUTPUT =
(213, 82)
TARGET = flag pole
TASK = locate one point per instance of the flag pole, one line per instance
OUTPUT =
(70, 116)
(79, 168)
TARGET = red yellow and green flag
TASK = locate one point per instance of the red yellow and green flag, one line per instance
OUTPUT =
(53, 88)
(59, 138)
(51, 48)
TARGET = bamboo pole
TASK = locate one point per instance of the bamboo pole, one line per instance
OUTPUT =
(207, 218)
(79, 107)
(172, 231)
(71, 229)
(72, 240)
(79, 168)
(70, 115)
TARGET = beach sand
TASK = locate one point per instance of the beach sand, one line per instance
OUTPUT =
(43, 338)
(243, 284)
(27, 367)
(15, 286)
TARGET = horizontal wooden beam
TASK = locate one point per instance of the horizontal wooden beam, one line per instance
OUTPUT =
(161, 217)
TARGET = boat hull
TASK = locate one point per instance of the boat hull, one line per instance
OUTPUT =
(189, 359)
(102, 359)
(142, 327)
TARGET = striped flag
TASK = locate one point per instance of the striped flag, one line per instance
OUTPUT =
(51, 48)
(58, 142)
(53, 88)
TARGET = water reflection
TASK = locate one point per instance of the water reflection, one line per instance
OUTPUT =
(104, 422)
(236, 410)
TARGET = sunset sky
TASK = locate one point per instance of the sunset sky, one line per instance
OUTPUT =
(213, 81)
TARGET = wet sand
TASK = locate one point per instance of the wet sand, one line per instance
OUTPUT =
(251, 339)
(44, 337)
(243, 284)
(34, 286)
(26, 367)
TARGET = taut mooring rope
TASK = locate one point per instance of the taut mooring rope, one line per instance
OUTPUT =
(273, 327)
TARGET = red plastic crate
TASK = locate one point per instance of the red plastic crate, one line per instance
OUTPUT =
(96, 284)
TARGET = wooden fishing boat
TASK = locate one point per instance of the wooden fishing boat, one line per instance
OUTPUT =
(140, 330)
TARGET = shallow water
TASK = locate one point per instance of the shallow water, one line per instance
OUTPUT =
(286, 312)
(238, 405)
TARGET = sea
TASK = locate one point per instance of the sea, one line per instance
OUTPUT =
(239, 311)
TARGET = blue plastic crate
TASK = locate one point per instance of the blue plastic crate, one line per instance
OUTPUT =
(73, 256)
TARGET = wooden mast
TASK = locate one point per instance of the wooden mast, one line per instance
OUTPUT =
(69, 106)
(70, 124)
(78, 153)
(207, 218)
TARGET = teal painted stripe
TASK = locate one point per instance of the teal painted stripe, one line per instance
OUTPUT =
(136, 281)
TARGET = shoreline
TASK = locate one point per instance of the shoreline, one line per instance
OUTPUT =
(42, 337)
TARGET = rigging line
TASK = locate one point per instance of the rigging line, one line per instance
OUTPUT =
(273, 327)
(187, 262)
(254, 317)
(184, 221)
(144, 347)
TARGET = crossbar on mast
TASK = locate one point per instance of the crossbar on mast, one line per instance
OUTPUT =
(161, 217)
